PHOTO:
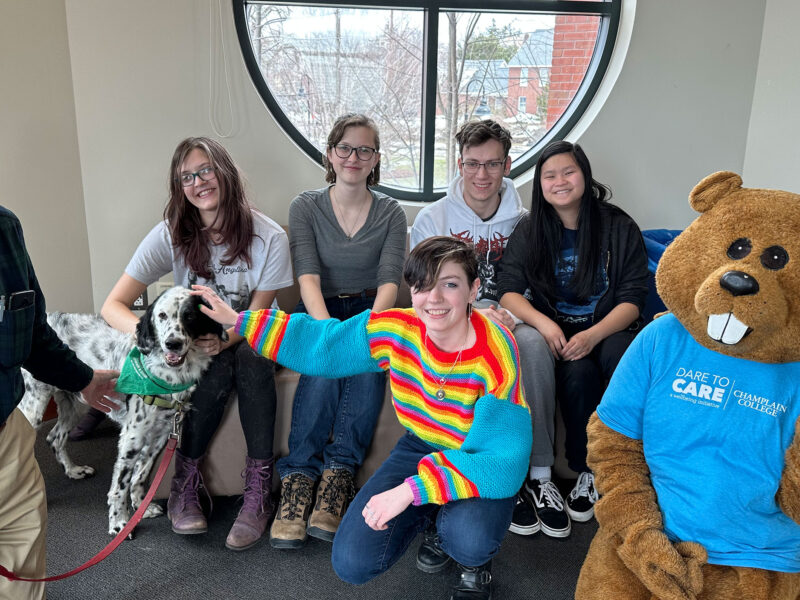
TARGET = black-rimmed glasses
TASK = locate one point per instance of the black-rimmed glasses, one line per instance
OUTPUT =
(362, 152)
(206, 174)
(491, 166)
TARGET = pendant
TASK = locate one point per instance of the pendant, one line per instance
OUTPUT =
(440, 394)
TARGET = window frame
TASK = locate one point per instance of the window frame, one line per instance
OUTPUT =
(609, 12)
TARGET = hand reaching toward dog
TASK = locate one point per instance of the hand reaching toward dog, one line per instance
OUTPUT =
(219, 311)
(386, 506)
(100, 392)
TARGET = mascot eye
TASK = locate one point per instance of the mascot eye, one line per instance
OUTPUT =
(739, 249)
(774, 258)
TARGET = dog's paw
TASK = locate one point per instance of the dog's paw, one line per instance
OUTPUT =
(115, 528)
(154, 510)
(80, 472)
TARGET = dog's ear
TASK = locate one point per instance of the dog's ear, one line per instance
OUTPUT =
(145, 332)
(197, 323)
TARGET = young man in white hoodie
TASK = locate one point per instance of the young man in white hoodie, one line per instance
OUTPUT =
(482, 207)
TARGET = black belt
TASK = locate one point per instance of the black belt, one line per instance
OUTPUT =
(370, 293)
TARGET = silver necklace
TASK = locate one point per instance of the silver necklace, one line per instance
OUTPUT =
(349, 231)
(443, 379)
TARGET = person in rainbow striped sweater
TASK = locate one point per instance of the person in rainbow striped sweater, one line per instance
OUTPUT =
(456, 389)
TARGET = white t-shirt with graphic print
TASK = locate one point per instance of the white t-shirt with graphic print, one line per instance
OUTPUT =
(269, 254)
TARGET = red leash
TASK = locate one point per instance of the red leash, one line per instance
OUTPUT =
(172, 442)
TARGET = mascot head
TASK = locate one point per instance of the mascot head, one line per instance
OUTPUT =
(732, 278)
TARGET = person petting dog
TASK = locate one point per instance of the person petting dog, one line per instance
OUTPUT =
(348, 244)
(456, 388)
(211, 234)
(26, 340)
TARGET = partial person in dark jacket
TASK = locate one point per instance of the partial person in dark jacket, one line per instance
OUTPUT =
(585, 264)
(26, 340)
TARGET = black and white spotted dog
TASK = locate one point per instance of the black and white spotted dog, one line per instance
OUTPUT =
(165, 336)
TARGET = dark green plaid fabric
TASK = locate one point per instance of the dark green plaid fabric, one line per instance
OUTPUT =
(25, 337)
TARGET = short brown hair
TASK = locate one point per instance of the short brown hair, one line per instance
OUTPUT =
(475, 133)
(337, 133)
(426, 259)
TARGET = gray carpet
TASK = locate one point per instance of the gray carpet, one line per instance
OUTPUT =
(158, 564)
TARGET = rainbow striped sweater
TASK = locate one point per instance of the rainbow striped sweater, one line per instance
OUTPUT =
(482, 427)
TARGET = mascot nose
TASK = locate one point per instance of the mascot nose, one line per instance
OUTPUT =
(739, 283)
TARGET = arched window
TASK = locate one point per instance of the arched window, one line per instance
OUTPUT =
(421, 68)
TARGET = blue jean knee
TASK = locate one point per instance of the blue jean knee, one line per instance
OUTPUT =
(360, 553)
(472, 530)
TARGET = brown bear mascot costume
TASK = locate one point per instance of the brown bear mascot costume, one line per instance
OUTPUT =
(696, 444)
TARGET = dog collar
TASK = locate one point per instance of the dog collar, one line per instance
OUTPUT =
(136, 379)
(161, 401)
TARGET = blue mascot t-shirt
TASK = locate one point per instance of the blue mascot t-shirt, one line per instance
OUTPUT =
(715, 430)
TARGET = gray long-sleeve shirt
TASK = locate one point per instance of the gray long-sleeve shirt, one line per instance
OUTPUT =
(319, 246)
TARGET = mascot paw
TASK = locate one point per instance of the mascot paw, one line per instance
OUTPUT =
(670, 572)
(695, 557)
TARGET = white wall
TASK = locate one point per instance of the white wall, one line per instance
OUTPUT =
(680, 108)
(141, 78)
(40, 177)
(140, 74)
(773, 143)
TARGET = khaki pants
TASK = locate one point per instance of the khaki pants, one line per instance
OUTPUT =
(23, 510)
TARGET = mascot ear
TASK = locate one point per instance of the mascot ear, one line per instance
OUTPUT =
(717, 185)
(145, 334)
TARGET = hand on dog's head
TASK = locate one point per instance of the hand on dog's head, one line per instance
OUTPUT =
(193, 320)
(197, 323)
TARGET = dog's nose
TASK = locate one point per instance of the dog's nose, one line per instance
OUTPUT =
(173, 344)
(739, 283)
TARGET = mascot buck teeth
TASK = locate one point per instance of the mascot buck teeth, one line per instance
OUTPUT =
(696, 444)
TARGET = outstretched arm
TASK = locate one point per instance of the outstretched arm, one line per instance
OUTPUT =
(328, 348)
(789, 490)
(628, 508)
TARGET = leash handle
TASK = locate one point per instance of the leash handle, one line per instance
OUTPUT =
(172, 443)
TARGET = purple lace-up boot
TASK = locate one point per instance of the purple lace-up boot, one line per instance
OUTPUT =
(257, 508)
(183, 506)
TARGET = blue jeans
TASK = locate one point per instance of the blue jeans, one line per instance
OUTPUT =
(470, 530)
(333, 420)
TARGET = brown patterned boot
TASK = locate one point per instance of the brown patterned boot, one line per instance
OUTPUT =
(257, 507)
(334, 494)
(289, 527)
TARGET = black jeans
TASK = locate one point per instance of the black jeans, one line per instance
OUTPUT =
(579, 388)
(254, 379)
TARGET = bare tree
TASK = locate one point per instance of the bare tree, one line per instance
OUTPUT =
(448, 91)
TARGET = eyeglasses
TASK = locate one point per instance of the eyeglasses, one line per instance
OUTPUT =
(362, 152)
(206, 174)
(492, 166)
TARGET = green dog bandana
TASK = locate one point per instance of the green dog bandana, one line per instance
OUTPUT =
(136, 379)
